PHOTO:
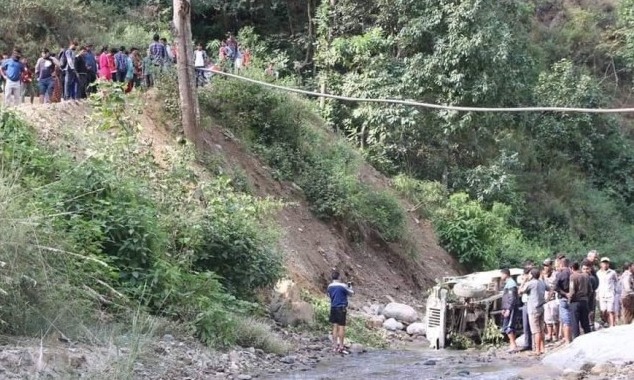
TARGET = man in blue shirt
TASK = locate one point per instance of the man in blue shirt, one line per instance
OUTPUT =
(121, 64)
(11, 71)
(338, 293)
(70, 77)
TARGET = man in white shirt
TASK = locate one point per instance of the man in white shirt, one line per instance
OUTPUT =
(607, 291)
(200, 60)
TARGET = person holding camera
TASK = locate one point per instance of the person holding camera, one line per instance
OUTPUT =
(338, 293)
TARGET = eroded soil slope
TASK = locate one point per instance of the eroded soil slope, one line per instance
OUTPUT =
(312, 247)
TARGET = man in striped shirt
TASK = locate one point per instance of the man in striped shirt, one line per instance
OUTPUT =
(158, 53)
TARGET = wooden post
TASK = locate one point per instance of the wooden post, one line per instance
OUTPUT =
(190, 114)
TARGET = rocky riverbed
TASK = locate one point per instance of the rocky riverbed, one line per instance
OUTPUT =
(169, 357)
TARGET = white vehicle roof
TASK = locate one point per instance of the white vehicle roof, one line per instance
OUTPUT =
(483, 277)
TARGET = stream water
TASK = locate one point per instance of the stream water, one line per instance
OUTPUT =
(423, 364)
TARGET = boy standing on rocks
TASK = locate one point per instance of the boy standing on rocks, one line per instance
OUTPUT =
(509, 306)
(338, 293)
(536, 290)
(606, 292)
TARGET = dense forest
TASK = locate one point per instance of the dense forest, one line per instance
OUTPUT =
(563, 182)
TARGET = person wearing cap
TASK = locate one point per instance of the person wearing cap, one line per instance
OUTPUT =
(551, 308)
(607, 291)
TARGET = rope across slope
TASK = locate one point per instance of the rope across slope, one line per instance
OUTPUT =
(426, 105)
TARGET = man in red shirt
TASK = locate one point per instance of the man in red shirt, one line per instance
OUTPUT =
(27, 81)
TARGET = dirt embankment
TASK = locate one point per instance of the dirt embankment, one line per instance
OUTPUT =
(311, 246)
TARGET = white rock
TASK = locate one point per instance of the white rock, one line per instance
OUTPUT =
(607, 345)
(400, 312)
(392, 325)
(376, 321)
(416, 329)
(520, 341)
(357, 348)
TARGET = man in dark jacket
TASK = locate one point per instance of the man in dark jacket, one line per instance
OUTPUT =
(509, 307)
(562, 288)
(81, 68)
(580, 290)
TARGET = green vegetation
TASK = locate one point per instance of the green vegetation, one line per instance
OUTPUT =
(108, 229)
(102, 225)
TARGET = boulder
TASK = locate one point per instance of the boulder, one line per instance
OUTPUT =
(374, 309)
(416, 329)
(602, 369)
(392, 325)
(357, 348)
(400, 312)
(520, 341)
(375, 321)
(570, 374)
(599, 347)
(287, 307)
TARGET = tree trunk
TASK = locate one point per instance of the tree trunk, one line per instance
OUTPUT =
(190, 115)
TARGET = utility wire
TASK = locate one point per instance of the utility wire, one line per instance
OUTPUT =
(425, 105)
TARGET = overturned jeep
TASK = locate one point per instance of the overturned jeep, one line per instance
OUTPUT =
(463, 305)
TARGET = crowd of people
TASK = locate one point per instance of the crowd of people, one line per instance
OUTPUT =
(72, 72)
(560, 299)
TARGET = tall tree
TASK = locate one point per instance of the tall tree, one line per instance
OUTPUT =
(190, 114)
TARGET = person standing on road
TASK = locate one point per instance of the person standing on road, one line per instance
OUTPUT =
(580, 290)
(536, 290)
(158, 54)
(627, 295)
(44, 71)
(606, 292)
(28, 88)
(551, 308)
(82, 73)
(121, 65)
(591, 262)
(526, 327)
(11, 70)
(562, 288)
(70, 74)
(509, 307)
(338, 293)
(200, 61)
(104, 64)
(91, 65)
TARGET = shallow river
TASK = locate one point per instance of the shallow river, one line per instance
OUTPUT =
(423, 364)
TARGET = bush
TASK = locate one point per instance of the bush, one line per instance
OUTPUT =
(254, 333)
(427, 196)
(103, 213)
(230, 237)
(480, 238)
(112, 230)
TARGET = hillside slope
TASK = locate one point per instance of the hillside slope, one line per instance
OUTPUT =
(311, 246)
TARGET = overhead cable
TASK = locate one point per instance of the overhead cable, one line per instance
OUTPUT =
(423, 104)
